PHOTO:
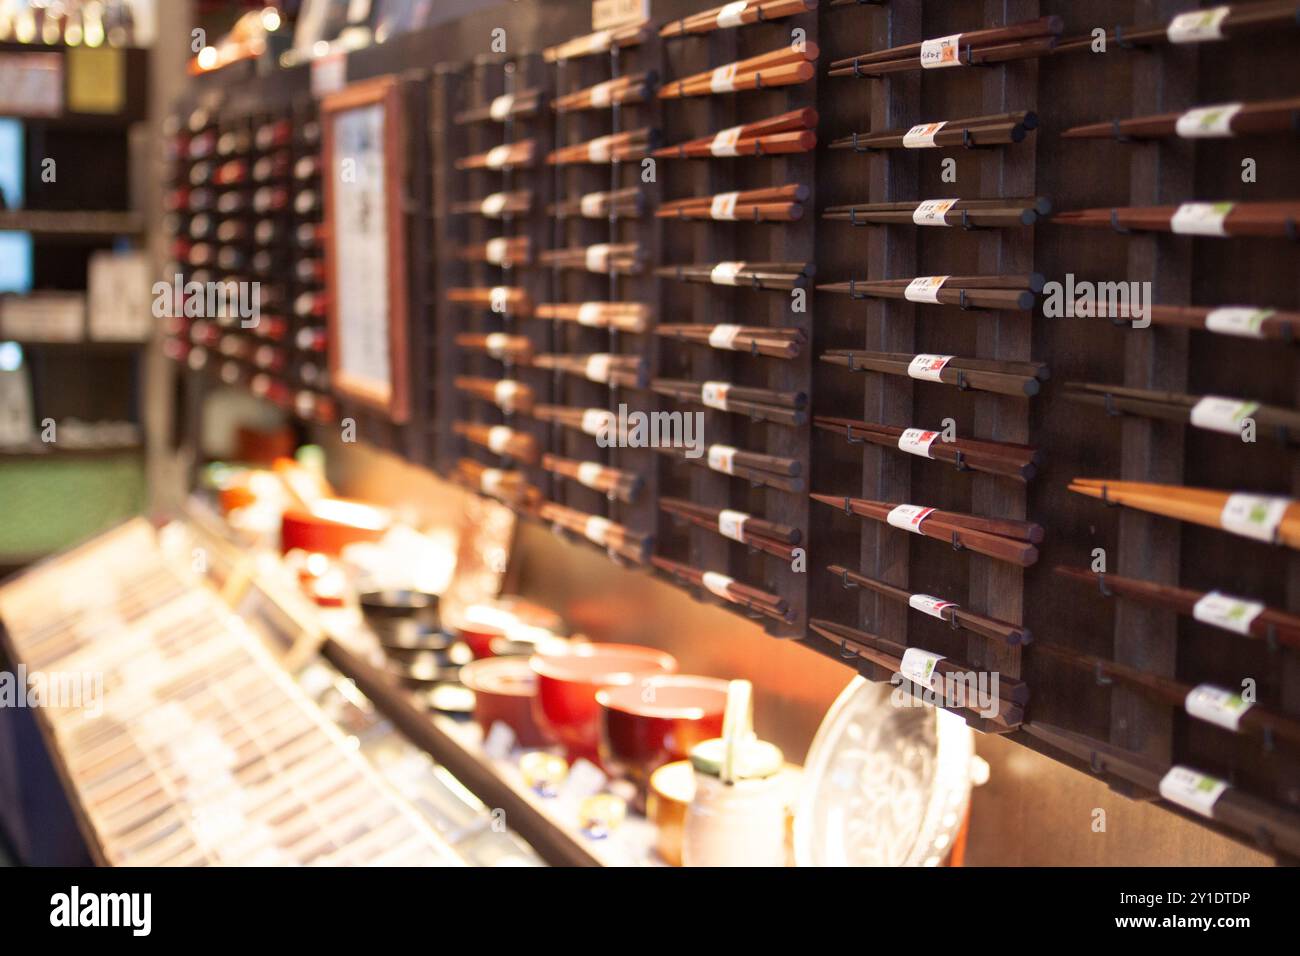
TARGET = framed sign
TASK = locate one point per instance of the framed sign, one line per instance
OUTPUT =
(364, 143)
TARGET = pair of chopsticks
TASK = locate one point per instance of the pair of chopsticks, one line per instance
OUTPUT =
(506, 156)
(602, 41)
(630, 88)
(612, 482)
(994, 130)
(773, 471)
(952, 614)
(621, 371)
(504, 251)
(728, 589)
(630, 545)
(775, 276)
(1257, 621)
(506, 394)
(791, 132)
(619, 204)
(624, 258)
(497, 205)
(509, 486)
(1243, 321)
(1012, 694)
(1240, 20)
(500, 439)
(590, 421)
(1221, 119)
(770, 204)
(761, 404)
(784, 67)
(1268, 518)
(1015, 41)
(611, 148)
(990, 457)
(986, 375)
(967, 213)
(778, 540)
(622, 316)
(1279, 220)
(509, 300)
(783, 343)
(508, 105)
(498, 345)
(1002, 538)
(967, 292)
(1213, 413)
(732, 15)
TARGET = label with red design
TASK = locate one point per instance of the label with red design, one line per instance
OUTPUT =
(724, 142)
(722, 458)
(928, 368)
(931, 212)
(731, 524)
(921, 136)
(714, 395)
(908, 517)
(723, 206)
(917, 441)
(924, 289)
(928, 604)
(941, 52)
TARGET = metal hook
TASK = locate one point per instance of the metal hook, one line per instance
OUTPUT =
(967, 140)
(1118, 133)
(959, 461)
(853, 367)
(845, 650)
(846, 583)
(1105, 498)
(848, 508)
(1109, 403)
(956, 542)
(1102, 586)
(962, 383)
(1094, 761)
(853, 292)
(1114, 223)
(962, 301)
(857, 73)
(1102, 679)
(853, 216)
(848, 436)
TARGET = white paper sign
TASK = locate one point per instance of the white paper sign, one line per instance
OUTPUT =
(498, 438)
(928, 604)
(724, 206)
(717, 584)
(501, 106)
(596, 420)
(590, 314)
(589, 473)
(597, 368)
(730, 14)
(598, 257)
(493, 204)
(724, 142)
(597, 530)
(504, 393)
(723, 79)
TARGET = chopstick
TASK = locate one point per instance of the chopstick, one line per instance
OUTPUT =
(498, 345)
(1244, 321)
(958, 617)
(507, 300)
(1267, 219)
(509, 486)
(1003, 378)
(521, 104)
(760, 404)
(506, 394)
(623, 316)
(500, 439)
(1268, 518)
(624, 258)
(612, 148)
(728, 589)
(1015, 41)
(1214, 121)
(1001, 292)
(631, 88)
(770, 204)
(792, 132)
(618, 204)
(774, 530)
(497, 205)
(1000, 538)
(774, 471)
(1237, 615)
(631, 545)
(784, 343)
(994, 458)
(505, 156)
(596, 422)
(623, 371)
(504, 251)
(775, 276)
(613, 482)
(1196, 26)
(994, 130)
(1210, 412)
(783, 67)
(967, 213)
(732, 15)
(599, 42)
(730, 524)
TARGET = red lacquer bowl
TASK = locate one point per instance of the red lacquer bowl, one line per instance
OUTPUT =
(504, 688)
(655, 720)
(567, 683)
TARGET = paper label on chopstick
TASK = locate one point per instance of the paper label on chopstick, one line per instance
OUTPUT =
(498, 156)
(504, 393)
(1208, 121)
(591, 313)
(496, 344)
(917, 441)
(1197, 26)
(918, 665)
(717, 584)
(501, 106)
(589, 473)
(724, 142)
(714, 395)
(723, 206)
(597, 530)
(731, 524)
(597, 368)
(1201, 219)
(601, 94)
(1216, 705)
(928, 368)
(1240, 320)
(592, 205)
(1218, 414)
(921, 136)
(598, 257)
(497, 250)
(1230, 613)
(924, 289)
(498, 438)
(491, 480)
(492, 205)
(725, 273)
(928, 604)
(931, 212)
(598, 150)
(722, 458)
(941, 52)
(1254, 516)
(723, 79)
(724, 336)
(596, 420)
(1192, 790)
(729, 15)
(499, 298)
(908, 517)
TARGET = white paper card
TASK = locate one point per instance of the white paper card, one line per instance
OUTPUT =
(598, 257)
(908, 517)
(1208, 122)
(597, 530)
(497, 250)
(731, 524)
(589, 473)
(924, 289)
(1192, 790)
(928, 604)
(921, 136)
(931, 212)
(723, 79)
(1219, 414)
(1254, 516)
(724, 206)
(1197, 26)
(501, 106)
(928, 368)
(722, 458)
(1201, 219)
(724, 143)
(918, 665)
(598, 365)
(725, 273)
(592, 205)
(589, 313)
(505, 392)
(724, 336)
(717, 584)
(1216, 705)
(596, 420)
(729, 15)
(1244, 321)
(498, 438)
(1226, 611)
(917, 441)
(498, 156)
(493, 204)
(941, 52)
(714, 395)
